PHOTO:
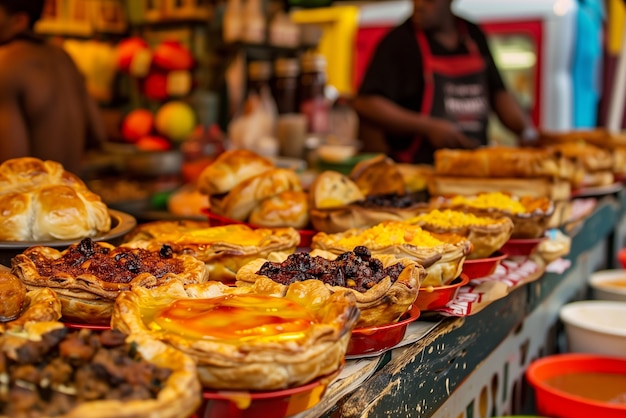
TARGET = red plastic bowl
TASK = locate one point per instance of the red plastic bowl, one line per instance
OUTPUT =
(376, 339)
(271, 404)
(553, 402)
(521, 246)
(483, 267)
(435, 297)
(306, 235)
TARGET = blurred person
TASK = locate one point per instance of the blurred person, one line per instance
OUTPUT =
(45, 110)
(432, 83)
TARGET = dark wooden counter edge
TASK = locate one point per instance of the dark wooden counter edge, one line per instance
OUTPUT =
(418, 380)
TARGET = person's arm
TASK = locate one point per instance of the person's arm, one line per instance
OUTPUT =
(14, 140)
(395, 119)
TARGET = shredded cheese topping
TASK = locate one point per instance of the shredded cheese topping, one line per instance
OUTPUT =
(391, 233)
(451, 218)
(495, 200)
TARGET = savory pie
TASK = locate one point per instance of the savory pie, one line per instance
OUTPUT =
(224, 249)
(530, 215)
(56, 371)
(384, 286)
(18, 306)
(487, 234)
(442, 255)
(245, 338)
(88, 276)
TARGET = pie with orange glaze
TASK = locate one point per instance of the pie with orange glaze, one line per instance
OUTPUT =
(88, 276)
(243, 338)
(384, 286)
(442, 255)
(224, 249)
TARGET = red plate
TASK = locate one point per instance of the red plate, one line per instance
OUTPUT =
(379, 338)
(78, 325)
(306, 235)
(483, 267)
(521, 246)
(431, 297)
(271, 404)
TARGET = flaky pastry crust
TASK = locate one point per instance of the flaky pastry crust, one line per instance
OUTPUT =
(224, 249)
(42, 305)
(254, 364)
(231, 168)
(383, 303)
(377, 176)
(85, 297)
(487, 234)
(179, 397)
(443, 262)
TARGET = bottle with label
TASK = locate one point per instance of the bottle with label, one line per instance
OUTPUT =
(312, 101)
(285, 85)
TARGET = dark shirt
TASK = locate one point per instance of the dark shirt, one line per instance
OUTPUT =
(395, 70)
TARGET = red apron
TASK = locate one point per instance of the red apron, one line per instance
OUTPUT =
(456, 89)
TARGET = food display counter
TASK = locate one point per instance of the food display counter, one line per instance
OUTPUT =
(473, 366)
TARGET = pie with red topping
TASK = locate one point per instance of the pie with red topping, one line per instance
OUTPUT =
(244, 338)
(88, 276)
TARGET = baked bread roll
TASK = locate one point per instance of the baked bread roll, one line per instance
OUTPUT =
(247, 195)
(288, 208)
(12, 296)
(332, 189)
(40, 201)
(378, 176)
(231, 168)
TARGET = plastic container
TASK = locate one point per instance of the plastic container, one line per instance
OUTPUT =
(377, 339)
(271, 404)
(285, 85)
(434, 297)
(483, 267)
(595, 326)
(609, 285)
(521, 246)
(552, 402)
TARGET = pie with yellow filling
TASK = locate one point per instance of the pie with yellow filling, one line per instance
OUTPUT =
(88, 276)
(442, 255)
(245, 338)
(224, 249)
(384, 286)
(487, 234)
(530, 215)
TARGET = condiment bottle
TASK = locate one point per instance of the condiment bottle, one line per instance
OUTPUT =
(285, 85)
(312, 82)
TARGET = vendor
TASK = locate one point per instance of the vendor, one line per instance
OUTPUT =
(45, 111)
(431, 84)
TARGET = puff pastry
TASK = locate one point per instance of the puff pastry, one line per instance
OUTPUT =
(288, 208)
(40, 201)
(331, 189)
(40, 306)
(530, 215)
(487, 234)
(442, 255)
(224, 249)
(378, 176)
(379, 302)
(231, 168)
(88, 276)
(235, 342)
(179, 395)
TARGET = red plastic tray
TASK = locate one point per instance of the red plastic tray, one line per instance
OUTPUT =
(434, 297)
(271, 404)
(379, 338)
(306, 235)
(483, 267)
(78, 325)
(521, 246)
